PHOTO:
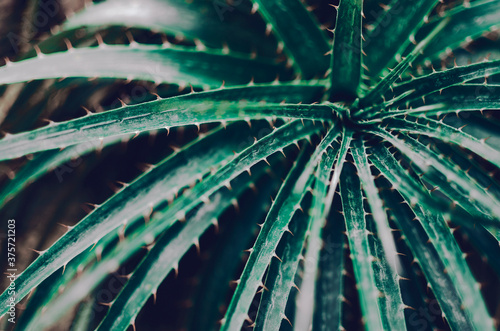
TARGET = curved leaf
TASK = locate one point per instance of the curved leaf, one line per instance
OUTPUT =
(51, 287)
(322, 201)
(384, 250)
(287, 202)
(300, 34)
(441, 173)
(434, 82)
(165, 255)
(281, 274)
(444, 132)
(466, 22)
(454, 99)
(429, 259)
(171, 64)
(352, 206)
(47, 162)
(225, 259)
(270, 144)
(213, 22)
(346, 54)
(377, 92)
(393, 31)
(196, 108)
(329, 287)
(159, 184)
(470, 308)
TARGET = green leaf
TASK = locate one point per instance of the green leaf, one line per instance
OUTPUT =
(465, 97)
(50, 288)
(171, 64)
(487, 244)
(322, 201)
(483, 126)
(214, 23)
(287, 202)
(484, 240)
(83, 318)
(465, 22)
(428, 257)
(329, 287)
(393, 32)
(270, 144)
(385, 253)
(47, 162)
(377, 92)
(475, 167)
(470, 308)
(299, 32)
(460, 274)
(134, 200)
(165, 255)
(453, 181)
(283, 209)
(415, 192)
(444, 132)
(281, 274)
(380, 109)
(434, 82)
(191, 109)
(354, 214)
(346, 54)
(455, 99)
(226, 258)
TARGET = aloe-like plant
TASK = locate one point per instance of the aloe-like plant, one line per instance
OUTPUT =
(370, 154)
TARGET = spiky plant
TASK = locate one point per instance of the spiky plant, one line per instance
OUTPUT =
(378, 160)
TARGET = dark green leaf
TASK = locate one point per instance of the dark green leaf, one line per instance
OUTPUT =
(300, 34)
(345, 73)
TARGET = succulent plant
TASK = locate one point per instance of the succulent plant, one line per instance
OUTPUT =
(382, 190)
